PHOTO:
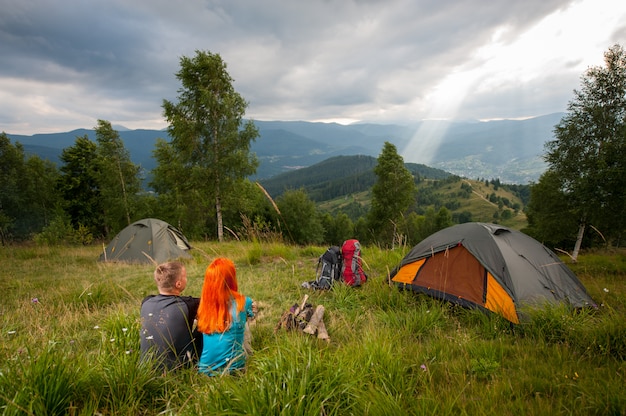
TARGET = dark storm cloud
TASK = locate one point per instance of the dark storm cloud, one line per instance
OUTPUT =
(69, 63)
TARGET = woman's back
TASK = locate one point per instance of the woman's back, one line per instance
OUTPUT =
(224, 351)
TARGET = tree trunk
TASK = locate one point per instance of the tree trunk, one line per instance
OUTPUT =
(579, 241)
(220, 225)
(126, 209)
(218, 201)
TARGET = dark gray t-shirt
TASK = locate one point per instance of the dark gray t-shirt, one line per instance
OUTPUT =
(166, 329)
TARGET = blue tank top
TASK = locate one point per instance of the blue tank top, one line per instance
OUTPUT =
(223, 351)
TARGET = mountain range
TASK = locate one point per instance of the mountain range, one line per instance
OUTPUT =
(509, 150)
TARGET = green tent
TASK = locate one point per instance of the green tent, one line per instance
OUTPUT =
(147, 241)
(491, 267)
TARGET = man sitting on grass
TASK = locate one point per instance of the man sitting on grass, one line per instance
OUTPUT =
(167, 320)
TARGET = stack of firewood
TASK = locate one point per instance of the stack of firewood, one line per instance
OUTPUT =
(304, 317)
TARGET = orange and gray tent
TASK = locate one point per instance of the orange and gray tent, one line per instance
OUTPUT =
(147, 241)
(490, 267)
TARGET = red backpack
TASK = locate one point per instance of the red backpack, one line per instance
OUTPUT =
(352, 267)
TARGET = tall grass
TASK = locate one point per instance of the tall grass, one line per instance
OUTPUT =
(69, 330)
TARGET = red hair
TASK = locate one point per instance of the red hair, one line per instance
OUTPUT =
(218, 291)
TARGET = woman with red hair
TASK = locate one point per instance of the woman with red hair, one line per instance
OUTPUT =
(222, 316)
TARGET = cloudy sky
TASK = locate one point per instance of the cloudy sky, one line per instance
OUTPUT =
(67, 63)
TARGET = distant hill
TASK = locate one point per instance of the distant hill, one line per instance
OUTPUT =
(338, 176)
(139, 143)
(508, 149)
(344, 183)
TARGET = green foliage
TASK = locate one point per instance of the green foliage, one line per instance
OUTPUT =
(97, 190)
(550, 217)
(99, 185)
(27, 192)
(250, 214)
(210, 144)
(258, 230)
(417, 227)
(300, 218)
(79, 185)
(392, 194)
(588, 154)
(462, 217)
(60, 231)
(11, 170)
(337, 229)
(118, 179)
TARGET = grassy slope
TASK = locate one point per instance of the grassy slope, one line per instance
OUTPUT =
(352, 177)
(478, 203)
(69, 330)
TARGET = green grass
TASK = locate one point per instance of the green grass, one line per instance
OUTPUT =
(69, 343)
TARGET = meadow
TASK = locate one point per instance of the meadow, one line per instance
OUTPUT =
(69, 331)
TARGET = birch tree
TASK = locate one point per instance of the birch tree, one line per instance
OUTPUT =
(588, 154)
(209, 135)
